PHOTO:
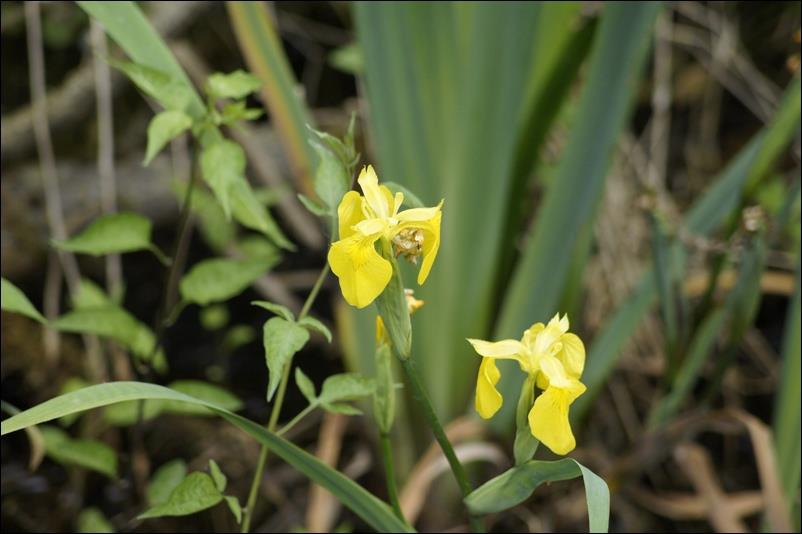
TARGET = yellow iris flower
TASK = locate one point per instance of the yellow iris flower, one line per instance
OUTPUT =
(364, 220)
(552, 356)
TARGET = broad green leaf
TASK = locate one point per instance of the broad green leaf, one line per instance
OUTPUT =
(310, 323)
(235, 85)
(219, 478)
(93, 520)
(222, 166)
(218, 279)
(115, 323)
(90, 295)
(111, 234)
(195, 493)
(345, 387)
(515, 485)
(621, 45)
(163, 128)
(305, 385)
(14, 300)
(165, 480)
(331, 179)
(170, 93)
(374, 512)
(131, 30)
(86, 453)
(282, 339)
(234, 506)
(787, 420)
(278, 309)
(127, 413)
(257, 247)
(251, 213)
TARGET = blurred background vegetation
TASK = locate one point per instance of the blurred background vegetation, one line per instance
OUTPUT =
(634, 165)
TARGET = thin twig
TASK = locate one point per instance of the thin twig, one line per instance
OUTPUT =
(105, 148)
(47, 160)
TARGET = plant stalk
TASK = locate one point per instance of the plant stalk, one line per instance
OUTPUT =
(392, 488)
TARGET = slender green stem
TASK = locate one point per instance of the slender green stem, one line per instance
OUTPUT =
(303, 413)
(392, 489)
(419, 394)
(271, 425)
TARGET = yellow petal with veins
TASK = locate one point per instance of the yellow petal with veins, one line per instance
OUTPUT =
(377, 199)
(488, 399)
(572, 355)
(363, 273)
(349, 213)
(548, 418)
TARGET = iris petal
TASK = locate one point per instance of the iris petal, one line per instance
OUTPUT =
(488, 399)
(349, 213)
(377, 199)
(363, 273)
(507, 349)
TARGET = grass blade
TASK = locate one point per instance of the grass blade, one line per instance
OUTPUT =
(374, 512)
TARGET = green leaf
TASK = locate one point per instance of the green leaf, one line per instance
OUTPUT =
(219, 478)
(331, 178)
(204, 391)
(237, 111)
(374, 512)
(195, 493)
(257, 247)
(14, 300)
(305, 385)
(163, 128)
(93, 520)
(282, 339)
(115, 323)
(235, 85)
(128, 26)
(35, 439)
(234, 506)
(314, 207)
(515, 485)
(346, 387)
(345, 409)
(90, 295)
(251, 213)
(278, 309)
(127, 413)
(86, 453)
(71, 384)
(170, 93)
(310, 323)
(222, 166)
(218, 279)
(165, 479)
(111, 234)
(237, 336)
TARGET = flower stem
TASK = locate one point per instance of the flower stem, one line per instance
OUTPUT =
(271, 425)
(392, 490)
(419, 394)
